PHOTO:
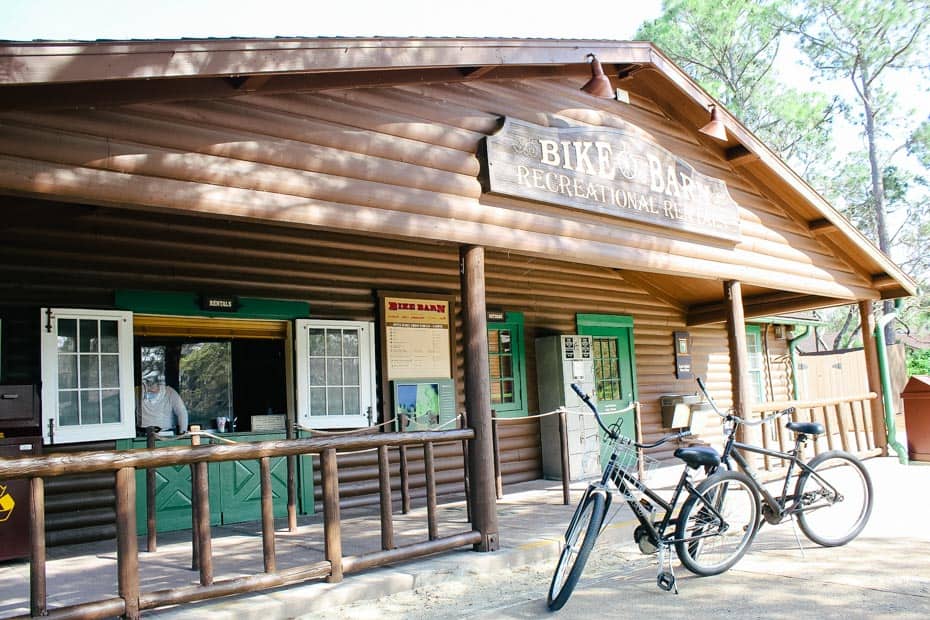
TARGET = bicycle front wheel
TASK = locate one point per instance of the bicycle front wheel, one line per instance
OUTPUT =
(717, 524)
(835, 499)
(579, 539)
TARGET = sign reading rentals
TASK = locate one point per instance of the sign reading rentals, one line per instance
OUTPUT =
(607, 171)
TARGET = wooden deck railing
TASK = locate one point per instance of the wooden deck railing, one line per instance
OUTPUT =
(131, 600)
(847, 423)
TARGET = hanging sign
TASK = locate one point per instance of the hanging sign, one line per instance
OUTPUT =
(608, 171)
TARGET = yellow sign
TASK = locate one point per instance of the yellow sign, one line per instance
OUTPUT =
(6, 504)
(416, 312)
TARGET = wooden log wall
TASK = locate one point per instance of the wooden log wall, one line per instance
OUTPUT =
(244, 195)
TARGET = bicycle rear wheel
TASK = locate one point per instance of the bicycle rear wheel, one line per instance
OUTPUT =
(579, 539)
(835, 501)
(705, 544)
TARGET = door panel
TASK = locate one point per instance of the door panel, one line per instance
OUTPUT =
(614, 366)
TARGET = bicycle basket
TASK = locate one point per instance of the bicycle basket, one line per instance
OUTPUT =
(631, 461)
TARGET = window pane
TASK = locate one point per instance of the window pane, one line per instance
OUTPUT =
(334, 371)
(111, 406)
(318, 401)
(507, 396)
(109, 371)
(90, 371)
(317, 342)
(495, 393)
(89, 342)
(334, 342)
(90, 407)
(494, 365)
(350, 343)
(350, 370)
(68, 409)
(205, 376)
(506, 366)
(334, 401)
(493, 341)
(109, 336)
(317, 371)
(505, 341)
(67, 335)
(67, 371)
(352, 401)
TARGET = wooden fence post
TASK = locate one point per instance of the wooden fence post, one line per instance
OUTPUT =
(127, 547)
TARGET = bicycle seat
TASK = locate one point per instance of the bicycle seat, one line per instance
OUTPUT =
(808, 428)
(698, 456)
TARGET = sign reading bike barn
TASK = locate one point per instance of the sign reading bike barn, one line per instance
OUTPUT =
(608, 171)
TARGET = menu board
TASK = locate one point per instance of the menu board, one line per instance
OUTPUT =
(417, 337)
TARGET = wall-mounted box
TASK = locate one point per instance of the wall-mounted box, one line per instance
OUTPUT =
(676, 409)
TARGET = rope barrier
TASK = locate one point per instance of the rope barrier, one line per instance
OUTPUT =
(629, 407)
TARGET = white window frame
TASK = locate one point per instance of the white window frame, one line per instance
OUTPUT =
(366, 352)
(126, 427)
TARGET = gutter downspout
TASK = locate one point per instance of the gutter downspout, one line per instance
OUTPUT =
(885, 374)
(793, 352)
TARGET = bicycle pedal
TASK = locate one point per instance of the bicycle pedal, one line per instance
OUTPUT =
(666, 581)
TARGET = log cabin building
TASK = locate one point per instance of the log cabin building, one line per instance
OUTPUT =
(284, 228)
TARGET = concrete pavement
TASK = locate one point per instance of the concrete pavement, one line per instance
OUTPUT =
(885, 571)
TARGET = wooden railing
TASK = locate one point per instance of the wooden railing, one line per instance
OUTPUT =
(131, 600)
(847, 423)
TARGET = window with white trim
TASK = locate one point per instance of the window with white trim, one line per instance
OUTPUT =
(335, 373)
(756, 368)
(87, 389)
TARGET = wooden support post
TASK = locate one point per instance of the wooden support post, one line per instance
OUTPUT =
(332, 534)
(127, 547)
(150, 519)
(268, 550)
(195, 505)
(430, 468)
(478, 397)
(387, 502)
(204, 540)
(38, 585)
(739, 357)
(291, 479)
(563, 451)
(498, 481)
(404, 472)
(463, 418)
(870, 347)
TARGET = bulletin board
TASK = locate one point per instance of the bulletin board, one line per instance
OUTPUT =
(417, 338)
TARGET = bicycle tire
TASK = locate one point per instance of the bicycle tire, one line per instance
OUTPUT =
(579, 540)
(734, 496)
(827, 522)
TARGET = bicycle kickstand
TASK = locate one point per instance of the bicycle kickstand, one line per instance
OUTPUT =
(666, 578)
(797, 536)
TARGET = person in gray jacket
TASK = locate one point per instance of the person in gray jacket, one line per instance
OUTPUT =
(160, 404)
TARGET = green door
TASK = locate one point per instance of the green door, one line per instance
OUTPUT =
(614, 366)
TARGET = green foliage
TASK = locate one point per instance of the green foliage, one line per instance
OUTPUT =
(918, 362)
(206, 379)
(731, 49)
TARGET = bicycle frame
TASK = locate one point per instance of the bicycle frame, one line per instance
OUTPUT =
(624, 482)
(779, 505)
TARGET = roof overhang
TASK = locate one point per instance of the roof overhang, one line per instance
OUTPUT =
(106, 73)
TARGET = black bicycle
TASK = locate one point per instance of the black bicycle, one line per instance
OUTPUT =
(711, 532)
(832, 493)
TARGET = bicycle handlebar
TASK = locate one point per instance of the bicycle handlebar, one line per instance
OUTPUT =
(613, 435)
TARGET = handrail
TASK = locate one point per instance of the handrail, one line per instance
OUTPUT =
(89, 462)
(807, 404)
(131, 600)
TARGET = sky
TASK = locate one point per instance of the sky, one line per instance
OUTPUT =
(25, 20)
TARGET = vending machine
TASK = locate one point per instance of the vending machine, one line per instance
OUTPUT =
(561, 361)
